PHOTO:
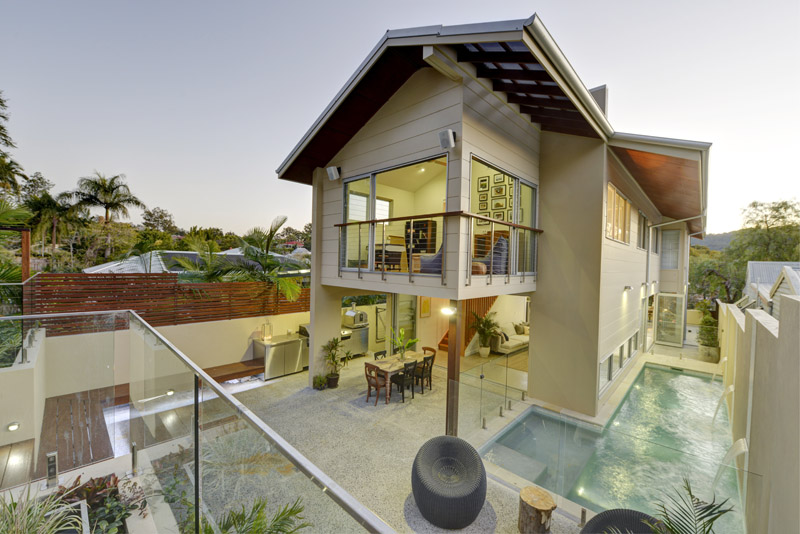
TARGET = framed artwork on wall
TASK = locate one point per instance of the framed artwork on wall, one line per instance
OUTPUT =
(511, 202)
(499, 215)
(483, 183)
(499, 191)
(498, 179)
(498, 203)
(510, 216)
(424, 307)
(483, 206)
(483, 197)
(480, 222)
(510, 181)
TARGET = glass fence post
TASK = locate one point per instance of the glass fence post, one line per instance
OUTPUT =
(197, 466)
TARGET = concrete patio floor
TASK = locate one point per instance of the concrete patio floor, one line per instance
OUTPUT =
(369, 449)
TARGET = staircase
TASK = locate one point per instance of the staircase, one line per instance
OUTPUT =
(443, 341)
(481, 306)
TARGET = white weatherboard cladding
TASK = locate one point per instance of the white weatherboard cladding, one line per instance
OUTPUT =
(404, 130)
(623, 265)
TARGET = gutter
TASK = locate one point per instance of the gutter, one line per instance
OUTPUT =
(542, 37)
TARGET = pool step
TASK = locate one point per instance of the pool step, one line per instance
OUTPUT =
(517, 463)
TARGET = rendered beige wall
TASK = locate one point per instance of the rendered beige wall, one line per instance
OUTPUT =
(564, 308)
(766, 410)
(18, 401)
(223, 342)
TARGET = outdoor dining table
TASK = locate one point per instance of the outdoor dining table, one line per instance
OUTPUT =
(393, 365)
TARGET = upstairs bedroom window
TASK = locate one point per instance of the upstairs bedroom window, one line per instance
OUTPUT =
(618, 216)
(643, 232)
(670, 246)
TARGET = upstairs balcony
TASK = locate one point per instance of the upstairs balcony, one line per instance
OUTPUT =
(424, 250)
(390, 237)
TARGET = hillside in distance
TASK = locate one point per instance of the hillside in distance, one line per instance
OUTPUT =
(715, 241)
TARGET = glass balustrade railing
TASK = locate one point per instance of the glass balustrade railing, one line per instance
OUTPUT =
(106, 393)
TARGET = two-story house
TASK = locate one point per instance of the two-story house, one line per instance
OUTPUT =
(466, 162)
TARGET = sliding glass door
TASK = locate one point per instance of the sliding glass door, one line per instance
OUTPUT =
(669, 319)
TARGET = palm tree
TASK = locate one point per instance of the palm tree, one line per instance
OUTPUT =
(11, 215)
(9, 169)
(112, 194)
(53, 214)
(9, 172)
(260, 264)
(209, 266)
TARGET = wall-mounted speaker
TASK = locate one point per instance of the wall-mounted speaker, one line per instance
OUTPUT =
(447, 139)
(333, 173)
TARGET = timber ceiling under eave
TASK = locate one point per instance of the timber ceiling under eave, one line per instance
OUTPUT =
(671, 183)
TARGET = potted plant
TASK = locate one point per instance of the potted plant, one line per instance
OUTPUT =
(707, 335)
(336, 360)
(485, 327)
(399, 342)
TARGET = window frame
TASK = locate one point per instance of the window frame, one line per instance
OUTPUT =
(643, 232)
(626, 208)
(372, 200)
(677, 250)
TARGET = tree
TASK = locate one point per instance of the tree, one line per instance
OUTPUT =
(293, 235)
(53, 214)
(260, 264)
(209, 266)
(10, 170)
(159, 219)
(771, 232)
(111, 194)
(33, 186)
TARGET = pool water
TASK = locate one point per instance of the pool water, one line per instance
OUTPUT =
(661, 433)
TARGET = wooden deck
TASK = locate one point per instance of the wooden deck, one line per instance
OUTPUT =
(74, 426)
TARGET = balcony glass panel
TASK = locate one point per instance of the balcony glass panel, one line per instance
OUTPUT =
(358, 207)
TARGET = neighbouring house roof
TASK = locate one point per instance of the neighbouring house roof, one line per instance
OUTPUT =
(791, 275)
(162, 261)
(766, 273)
(526, 68)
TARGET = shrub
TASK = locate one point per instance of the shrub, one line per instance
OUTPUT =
(708, 332)
(320, 381)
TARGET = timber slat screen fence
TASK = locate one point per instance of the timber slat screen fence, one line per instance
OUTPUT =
(160, 299)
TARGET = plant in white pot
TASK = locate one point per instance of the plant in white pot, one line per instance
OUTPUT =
(400, 343)
(485, 327)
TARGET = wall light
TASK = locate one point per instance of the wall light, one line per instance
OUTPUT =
(628, 288)
(13, 426)
(448, 310)
(170, 392)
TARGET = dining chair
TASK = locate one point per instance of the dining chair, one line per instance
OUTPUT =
(375, 380)
(425, 372)
(406, 378)
(380, 354)
(428, 350)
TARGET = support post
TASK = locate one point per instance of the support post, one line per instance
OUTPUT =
(26, 254)
(454, 347)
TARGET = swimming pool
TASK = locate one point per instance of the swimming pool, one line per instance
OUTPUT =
(661, 433)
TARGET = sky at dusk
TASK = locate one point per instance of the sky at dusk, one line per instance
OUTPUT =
(197, 103)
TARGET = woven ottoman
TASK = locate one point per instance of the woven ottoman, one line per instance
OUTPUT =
(629, 521)
(448, 481)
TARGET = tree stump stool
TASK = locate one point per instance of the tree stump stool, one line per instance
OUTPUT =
(535, 510)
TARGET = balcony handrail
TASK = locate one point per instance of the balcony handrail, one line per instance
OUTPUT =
(440, 214)
(504, 223)
(406, 218)
(340, 496)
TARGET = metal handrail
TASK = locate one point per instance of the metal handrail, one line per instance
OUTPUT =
(340, 496)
